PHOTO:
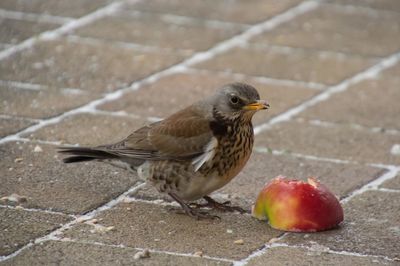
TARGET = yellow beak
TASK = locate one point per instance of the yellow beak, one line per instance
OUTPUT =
(258, 105)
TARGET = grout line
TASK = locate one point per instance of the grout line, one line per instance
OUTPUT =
(141, 249)
(328, 124)
(33, 17)
(37, 210)
(370, 72)
(266, 150)
(210, 23)
(54, 235)
(196, 58)
(23, 85)
(128, 45)
(34, 120)
(260, 79)
(182, 20)
(67, 27)
(374, 184)
(290, 50)
(386, 190)
(351, 9)
(258, 252)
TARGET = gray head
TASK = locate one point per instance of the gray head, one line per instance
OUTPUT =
(238, 100)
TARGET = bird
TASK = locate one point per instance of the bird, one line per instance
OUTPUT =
(191, 153)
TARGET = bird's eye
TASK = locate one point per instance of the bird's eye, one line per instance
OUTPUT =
(234, 99)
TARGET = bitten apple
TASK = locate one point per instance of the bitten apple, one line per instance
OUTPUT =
(293, 205)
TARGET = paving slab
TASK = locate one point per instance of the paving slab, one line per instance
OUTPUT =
(370, 103)
(331, 141)
(44, 103)
(301, 65)
(39, 175)
(156, 30)
(71, 253)
(335, 28)
(89, 129)
(10, 125)
(371, 226)
(341, 179)
(18, 227)
(388, 5)
(393, 183)
(301, 256)
(146, 225)
(13, 31)
(93, 67)
(155, 100)
(233, 11)
(72, 8)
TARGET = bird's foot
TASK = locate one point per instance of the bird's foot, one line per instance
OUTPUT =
(211, 203)
(194, 213)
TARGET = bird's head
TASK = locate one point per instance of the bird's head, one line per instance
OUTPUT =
(238, 100)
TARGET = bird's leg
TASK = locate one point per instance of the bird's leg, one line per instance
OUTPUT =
(225, 206)
(190, 211)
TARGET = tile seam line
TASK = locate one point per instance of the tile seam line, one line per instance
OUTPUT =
(365, 74)
(157, 251)
(220, 47)
(66, 27)
(34, 17)
(87, 216)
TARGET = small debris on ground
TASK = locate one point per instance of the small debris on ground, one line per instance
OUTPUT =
(18, 160)
(37, 149)
(229, 231)
(15, 198)
(142, 254)
(198, 253)
(239, 242)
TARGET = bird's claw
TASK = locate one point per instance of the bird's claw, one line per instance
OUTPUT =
(211, 203)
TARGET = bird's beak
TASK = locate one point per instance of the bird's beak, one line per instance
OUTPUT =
(258, 105)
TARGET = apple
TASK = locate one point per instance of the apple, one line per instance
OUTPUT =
(297, 206)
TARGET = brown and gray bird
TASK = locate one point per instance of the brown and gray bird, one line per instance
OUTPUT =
(192, 152)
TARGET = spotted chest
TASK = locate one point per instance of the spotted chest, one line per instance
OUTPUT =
(232, 152)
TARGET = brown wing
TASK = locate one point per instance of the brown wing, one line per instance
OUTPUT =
(183, 135)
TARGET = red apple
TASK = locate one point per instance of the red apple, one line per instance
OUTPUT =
(293, 205)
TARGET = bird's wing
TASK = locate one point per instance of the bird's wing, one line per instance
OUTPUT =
(185, 135)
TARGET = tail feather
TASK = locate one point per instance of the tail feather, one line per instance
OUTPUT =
(82, 154)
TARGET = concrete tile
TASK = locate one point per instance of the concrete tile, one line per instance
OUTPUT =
(47, 183)
(40, 103)
(155, 100)
(338, 142)
(234, 11)
(393, 183)
(95, 68)
(72, 8)
(389, 5)
(93, 129)
(391, 72)
(300, 65)
(370, 103)
(18, 227)
(152, 226)
(13, 31)
(153, 30)
(71, 253)
(341, 179)
(370, 227)
(9, 125)
(301, 256)
(339, 29)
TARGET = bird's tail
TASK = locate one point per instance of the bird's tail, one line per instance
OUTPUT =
(82, 154)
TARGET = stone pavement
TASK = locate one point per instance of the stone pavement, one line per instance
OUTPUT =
(90, 71)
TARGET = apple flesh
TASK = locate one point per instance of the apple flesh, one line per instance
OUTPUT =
(297, 206)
